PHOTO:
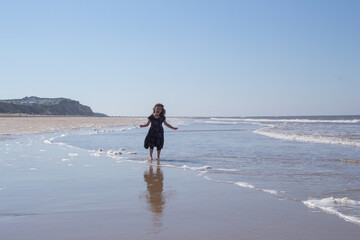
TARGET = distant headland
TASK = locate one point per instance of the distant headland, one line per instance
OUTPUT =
(46, 106)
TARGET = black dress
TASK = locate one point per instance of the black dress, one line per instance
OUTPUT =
(155, 136)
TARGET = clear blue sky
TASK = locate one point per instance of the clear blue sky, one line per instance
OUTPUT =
(198, 58)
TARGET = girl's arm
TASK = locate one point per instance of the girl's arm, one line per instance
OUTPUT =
(145, 125)
(169, 126)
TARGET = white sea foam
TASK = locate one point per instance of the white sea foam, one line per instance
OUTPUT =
(47, 141)
(51, 141)
(237, 122)
(73, 154)
(228, 119)
(286, 120)
(272, 192)
(102, 130)
(196, 168)
(331, 205)
(96, 154)
(227, 170)
(308, 138)
(244, 185)
(113, 152)
(221, 122)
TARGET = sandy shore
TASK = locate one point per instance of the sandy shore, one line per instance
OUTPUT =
(25, 125)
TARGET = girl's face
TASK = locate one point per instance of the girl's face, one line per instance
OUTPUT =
(158, 110)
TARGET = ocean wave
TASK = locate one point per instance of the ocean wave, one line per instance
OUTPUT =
(221, 122)
(308, 138)
(238, 120)
(332, 205)
(227, 169)
(236, 123)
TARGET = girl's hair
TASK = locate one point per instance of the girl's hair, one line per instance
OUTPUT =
(163, 109)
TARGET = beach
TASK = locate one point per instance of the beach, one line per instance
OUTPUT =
(40, 124)
(89, 178)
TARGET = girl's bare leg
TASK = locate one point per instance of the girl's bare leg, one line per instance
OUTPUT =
(158, 154)
(151, 153)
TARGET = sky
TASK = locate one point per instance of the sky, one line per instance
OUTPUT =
(198, 58)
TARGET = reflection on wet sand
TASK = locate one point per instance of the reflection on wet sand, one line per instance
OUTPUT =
(155, 196)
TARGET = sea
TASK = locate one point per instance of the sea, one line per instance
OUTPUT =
(312, 160)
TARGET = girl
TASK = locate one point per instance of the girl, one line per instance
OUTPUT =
(155, 136)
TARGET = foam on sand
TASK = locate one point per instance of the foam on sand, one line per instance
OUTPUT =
(203, 168)
(113, 152)
(96, 154)
(348, 160)
(246, 185)
(332, 205)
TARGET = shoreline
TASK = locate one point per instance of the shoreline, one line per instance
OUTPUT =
(46, 124)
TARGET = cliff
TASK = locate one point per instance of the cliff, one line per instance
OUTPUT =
(46, 106)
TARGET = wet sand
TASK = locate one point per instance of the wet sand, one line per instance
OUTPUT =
(149, 202)
(40, 124)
